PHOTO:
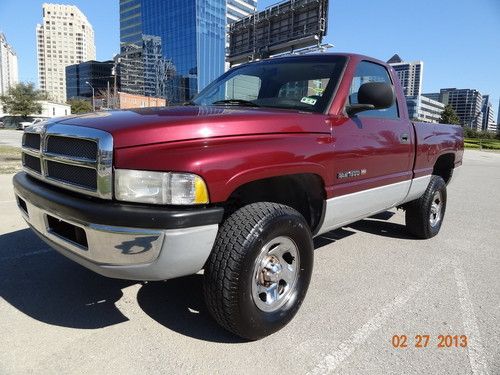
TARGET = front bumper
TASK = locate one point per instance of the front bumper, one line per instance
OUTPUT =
(125, 241)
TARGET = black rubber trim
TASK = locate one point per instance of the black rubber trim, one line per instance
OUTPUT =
(90, 210)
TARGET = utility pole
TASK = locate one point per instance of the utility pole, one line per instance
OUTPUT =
(93, 94)
(114, 72)
(107, 102)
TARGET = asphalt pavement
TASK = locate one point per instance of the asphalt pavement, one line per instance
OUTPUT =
(10, 137)
(371, 282)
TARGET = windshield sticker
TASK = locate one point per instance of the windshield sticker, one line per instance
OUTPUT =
(307, 100)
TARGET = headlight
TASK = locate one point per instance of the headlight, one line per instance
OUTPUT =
(159, 187)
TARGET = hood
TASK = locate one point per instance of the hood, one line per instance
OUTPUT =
(168, 124)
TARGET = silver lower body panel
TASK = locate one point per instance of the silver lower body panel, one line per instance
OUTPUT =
(126, 253)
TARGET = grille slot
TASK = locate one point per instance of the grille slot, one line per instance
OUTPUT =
(72, 174)
(73, 147)
(32, 162)
(31, 140)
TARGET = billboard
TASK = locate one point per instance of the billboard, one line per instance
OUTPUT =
(283, 27)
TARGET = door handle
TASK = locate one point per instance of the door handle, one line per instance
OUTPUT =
(404, 138)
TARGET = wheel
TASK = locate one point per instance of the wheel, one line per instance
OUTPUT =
(259, 270)
(424, 216)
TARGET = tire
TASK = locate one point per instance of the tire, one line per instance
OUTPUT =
(259, 270)
(425, 215)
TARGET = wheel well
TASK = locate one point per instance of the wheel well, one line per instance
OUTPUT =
(444, 166)
(303, 192)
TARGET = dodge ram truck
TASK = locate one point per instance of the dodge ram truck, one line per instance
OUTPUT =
(238, 181)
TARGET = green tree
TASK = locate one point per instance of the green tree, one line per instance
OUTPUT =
(80, 106)
(449, 116)
(23, 99)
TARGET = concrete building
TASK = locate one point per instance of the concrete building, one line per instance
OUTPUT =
(238, 9)
(64, 37)
(98, 74)
(409, 73)
(467, 103)
(498, 115)
(51, 109)
(488, 115)
(127, 101)
(434, 96)
(424, 109)
(8, 66)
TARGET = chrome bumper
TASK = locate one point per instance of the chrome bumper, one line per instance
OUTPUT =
(126, 253)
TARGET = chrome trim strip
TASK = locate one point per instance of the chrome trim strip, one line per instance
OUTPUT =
(31, 151)
(349, 208)
(80, 162)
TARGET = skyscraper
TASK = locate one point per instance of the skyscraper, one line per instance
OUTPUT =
(191, 34)
(467, 103)
(8, 66)
(409, 73)
(488, 115)
(65, 37)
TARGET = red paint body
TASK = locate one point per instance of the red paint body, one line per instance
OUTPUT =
(229, 147)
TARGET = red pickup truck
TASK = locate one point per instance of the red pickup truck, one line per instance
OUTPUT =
(238, 181)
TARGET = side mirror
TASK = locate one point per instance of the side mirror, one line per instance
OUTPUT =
(372, 95)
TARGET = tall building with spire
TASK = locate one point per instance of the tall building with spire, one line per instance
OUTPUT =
(65, 37)
(409, 73)
(8, 66)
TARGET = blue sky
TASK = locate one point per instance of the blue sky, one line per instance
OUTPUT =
(458, 40)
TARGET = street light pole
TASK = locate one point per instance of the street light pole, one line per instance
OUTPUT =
(93, 102)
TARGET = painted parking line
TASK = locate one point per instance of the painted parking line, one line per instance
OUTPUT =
(333, 360)
(475, 349)
(477, 359)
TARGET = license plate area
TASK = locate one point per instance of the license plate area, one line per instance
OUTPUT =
(67, 231)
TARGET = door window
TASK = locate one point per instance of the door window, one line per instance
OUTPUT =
(371, 72)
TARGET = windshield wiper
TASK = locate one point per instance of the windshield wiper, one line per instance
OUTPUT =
(190, 102)
(242, 102)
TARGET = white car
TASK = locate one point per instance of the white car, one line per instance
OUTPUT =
(23, 125)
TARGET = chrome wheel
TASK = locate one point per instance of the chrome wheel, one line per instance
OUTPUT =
(275, 273)
(436, 208)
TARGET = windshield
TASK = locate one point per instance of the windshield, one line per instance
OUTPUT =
(304, 83)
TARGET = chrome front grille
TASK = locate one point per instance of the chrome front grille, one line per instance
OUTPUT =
(76, 158)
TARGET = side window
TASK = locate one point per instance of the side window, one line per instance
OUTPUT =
(371, 72)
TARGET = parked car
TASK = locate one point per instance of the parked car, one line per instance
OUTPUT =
(238, 181)
(24, 124)
(1, 125)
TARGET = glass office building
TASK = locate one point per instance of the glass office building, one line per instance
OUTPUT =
(191, 34)
(97, 73)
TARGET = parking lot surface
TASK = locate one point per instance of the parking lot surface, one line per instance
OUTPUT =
(371, 282)
(10, 137)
